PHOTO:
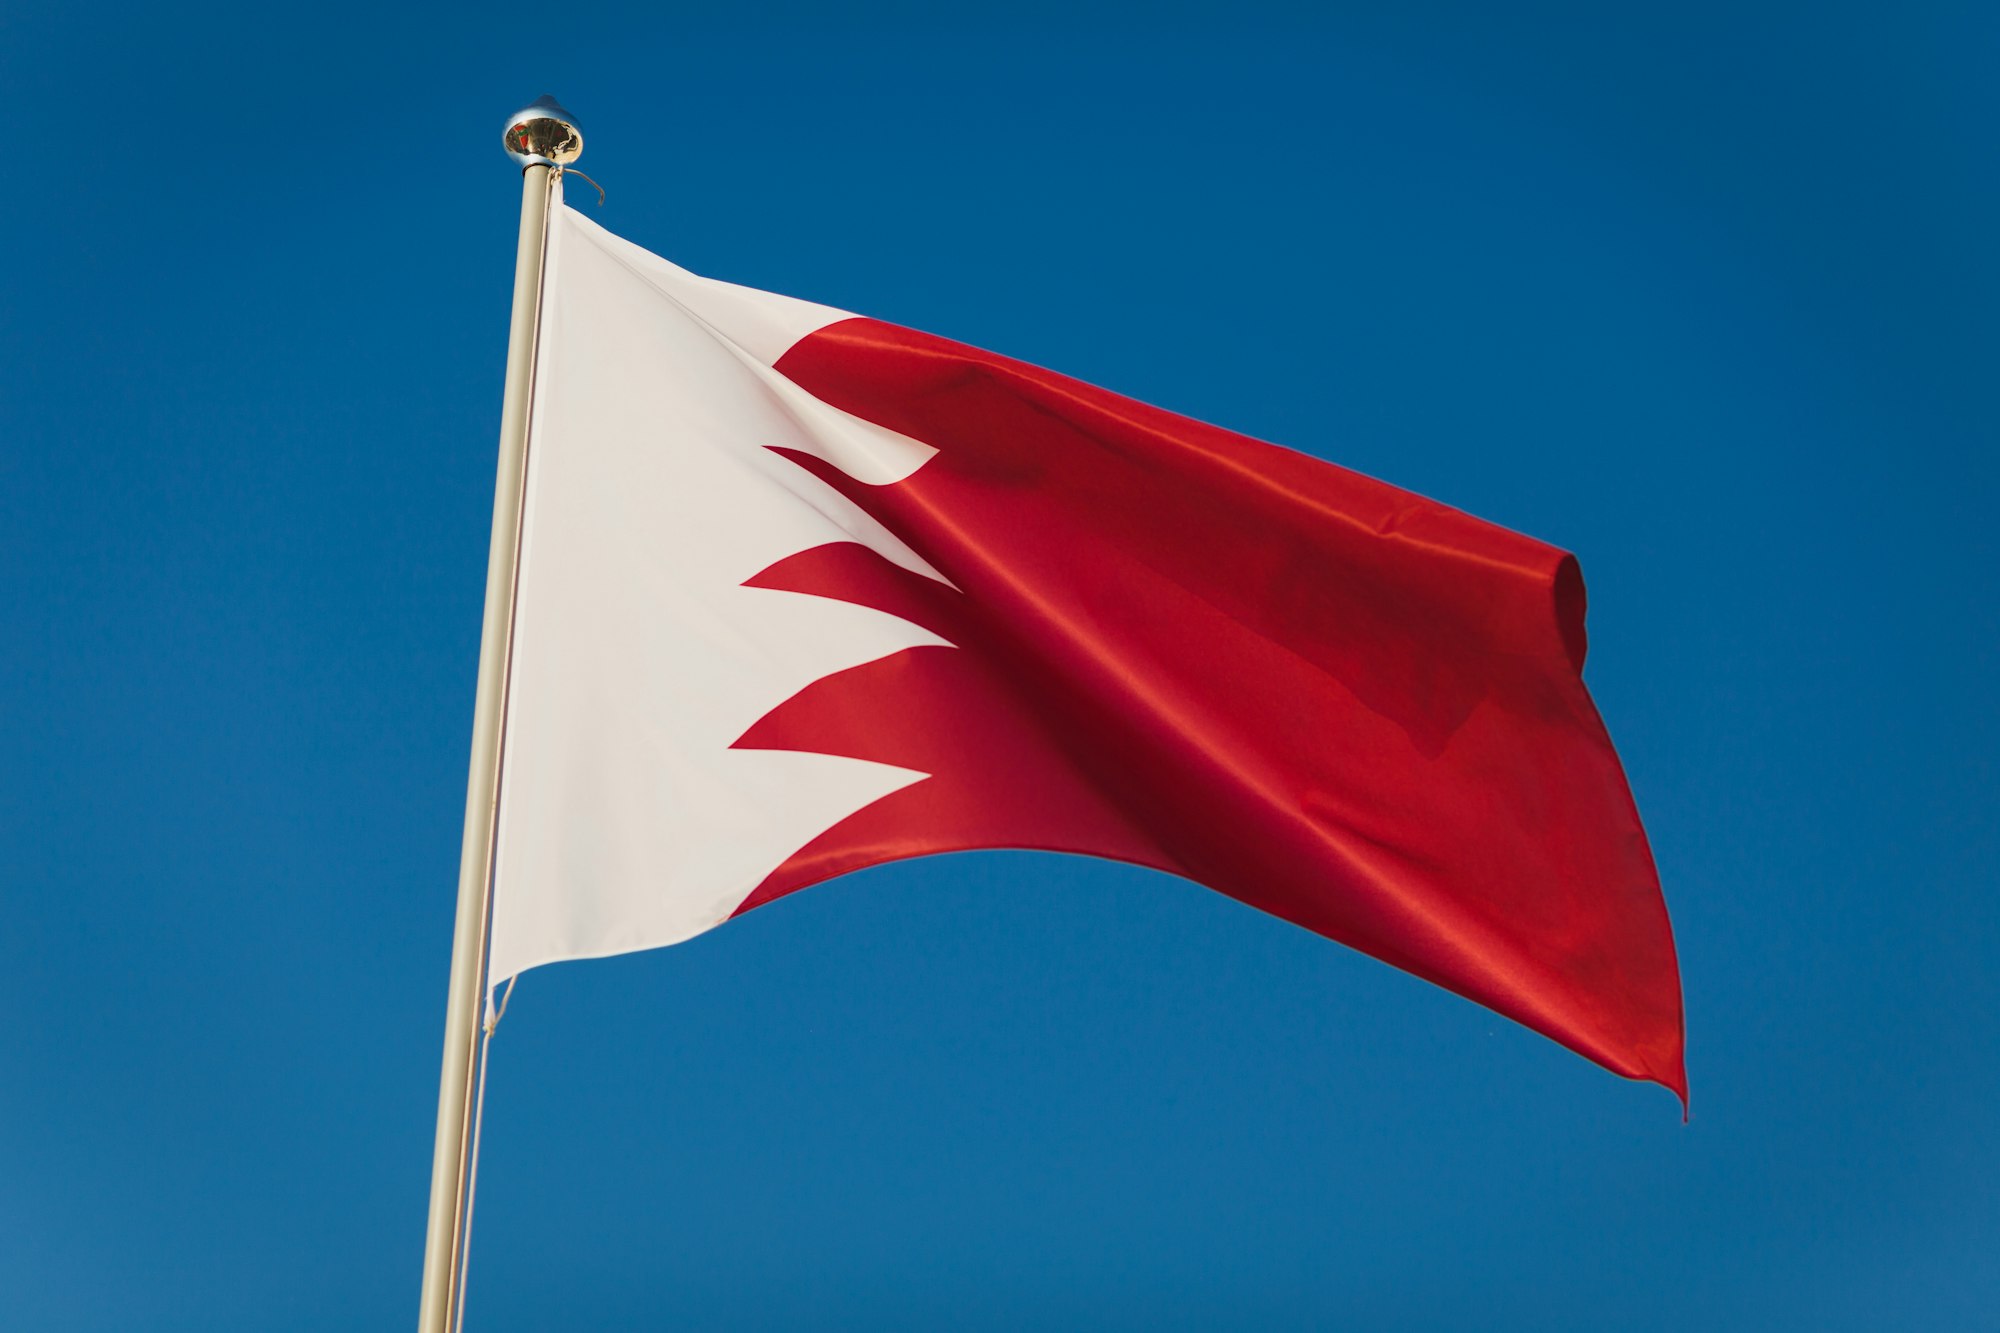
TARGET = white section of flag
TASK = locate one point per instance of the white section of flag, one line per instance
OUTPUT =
(626, 821)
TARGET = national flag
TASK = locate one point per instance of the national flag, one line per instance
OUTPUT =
(803, 592)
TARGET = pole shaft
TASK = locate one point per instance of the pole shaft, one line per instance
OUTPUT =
(444, 1240)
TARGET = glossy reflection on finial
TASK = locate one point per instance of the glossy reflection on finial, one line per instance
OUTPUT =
(543, 132)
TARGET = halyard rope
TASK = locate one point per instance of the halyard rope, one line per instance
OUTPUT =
(572, 171)
(493, 1016)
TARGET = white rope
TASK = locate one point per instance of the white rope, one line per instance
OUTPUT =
(572, 171)
(494, 1015)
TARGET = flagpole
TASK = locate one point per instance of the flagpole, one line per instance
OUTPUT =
(543, 138)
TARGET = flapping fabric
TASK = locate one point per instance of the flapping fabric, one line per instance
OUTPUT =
(804, 593)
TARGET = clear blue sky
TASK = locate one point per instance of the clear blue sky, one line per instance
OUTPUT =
(1707, 297)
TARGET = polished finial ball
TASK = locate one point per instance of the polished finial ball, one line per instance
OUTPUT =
(543, 132)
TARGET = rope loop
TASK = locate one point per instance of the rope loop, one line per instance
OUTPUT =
(572, 171)
(495, 1013)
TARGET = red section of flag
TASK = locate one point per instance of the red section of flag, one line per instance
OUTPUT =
(1341, 703)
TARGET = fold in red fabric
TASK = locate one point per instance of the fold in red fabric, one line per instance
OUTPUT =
(1344, 704)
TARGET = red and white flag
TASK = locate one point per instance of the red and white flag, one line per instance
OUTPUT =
(803, 592)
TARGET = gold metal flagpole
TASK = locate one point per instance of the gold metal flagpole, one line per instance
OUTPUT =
(543, 138)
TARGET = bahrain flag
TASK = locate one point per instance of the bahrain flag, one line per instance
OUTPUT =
(802, 592)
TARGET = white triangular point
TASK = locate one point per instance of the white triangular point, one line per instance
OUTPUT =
(626, 820)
